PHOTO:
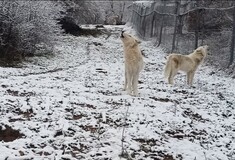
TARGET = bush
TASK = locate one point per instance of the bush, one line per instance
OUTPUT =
(27, 25)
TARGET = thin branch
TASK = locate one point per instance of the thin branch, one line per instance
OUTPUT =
(205, 8)
(184, 13)
(123, 130)
(230, 18)
(11, 19)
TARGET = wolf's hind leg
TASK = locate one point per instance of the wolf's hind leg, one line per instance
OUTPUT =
(135, 84)
(172, 75)
(129, 83)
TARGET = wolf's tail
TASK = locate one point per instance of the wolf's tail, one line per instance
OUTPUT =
(167, 70)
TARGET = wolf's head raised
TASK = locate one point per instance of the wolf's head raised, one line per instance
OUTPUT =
(200, 54)
(129, 40)
(202, 51)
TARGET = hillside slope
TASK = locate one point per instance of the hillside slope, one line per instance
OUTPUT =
(71, 106)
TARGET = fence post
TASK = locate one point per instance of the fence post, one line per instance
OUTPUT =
(132, 15)
(233, 40)
(141, 21)
(203, 28)
(175, 27)
(143, 13)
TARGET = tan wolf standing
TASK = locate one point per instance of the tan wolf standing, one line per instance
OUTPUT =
(187, 63)
(133, 62)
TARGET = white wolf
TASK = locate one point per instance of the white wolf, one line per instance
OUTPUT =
(187, 63)
(133, 62)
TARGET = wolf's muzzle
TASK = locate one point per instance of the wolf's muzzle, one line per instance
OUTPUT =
(122, 34)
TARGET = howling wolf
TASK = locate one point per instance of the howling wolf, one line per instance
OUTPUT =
(133, 62)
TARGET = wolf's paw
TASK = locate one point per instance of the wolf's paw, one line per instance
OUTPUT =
(124, 87)
(135, 93)
(129, 92)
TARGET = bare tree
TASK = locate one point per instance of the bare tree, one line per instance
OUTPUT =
(82, 12)
(27, 25)
(177, 4)
(115, 13)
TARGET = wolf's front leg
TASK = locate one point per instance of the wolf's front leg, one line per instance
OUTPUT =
(190, 76)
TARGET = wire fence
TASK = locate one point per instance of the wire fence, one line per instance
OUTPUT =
(182, 28)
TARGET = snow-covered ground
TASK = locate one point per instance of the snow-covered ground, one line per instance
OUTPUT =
(71, 106)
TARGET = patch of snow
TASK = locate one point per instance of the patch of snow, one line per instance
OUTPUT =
(72, 105)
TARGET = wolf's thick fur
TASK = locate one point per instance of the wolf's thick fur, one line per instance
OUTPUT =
(187, 63)
(133, 63)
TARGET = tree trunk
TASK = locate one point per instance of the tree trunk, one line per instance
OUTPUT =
(196, 32)
(197, 27)
(162, 25)
(122, 10)
(232, 41)
(152, 22)
(180, 25)
(175, 27)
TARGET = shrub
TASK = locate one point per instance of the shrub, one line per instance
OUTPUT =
(27, 26)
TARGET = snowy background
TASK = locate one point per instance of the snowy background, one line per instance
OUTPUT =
(70, 105)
